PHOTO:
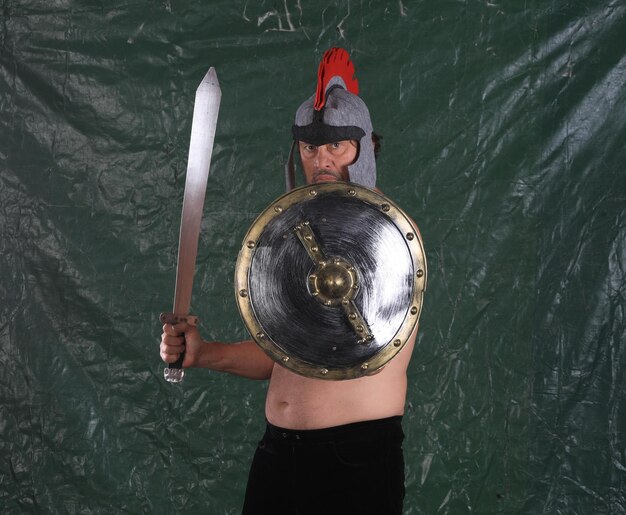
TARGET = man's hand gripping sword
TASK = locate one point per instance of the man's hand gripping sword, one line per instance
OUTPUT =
(206, 107)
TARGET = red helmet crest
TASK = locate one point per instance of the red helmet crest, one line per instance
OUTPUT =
(335, 62)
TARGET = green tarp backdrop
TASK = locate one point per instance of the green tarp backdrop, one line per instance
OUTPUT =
(504, 126)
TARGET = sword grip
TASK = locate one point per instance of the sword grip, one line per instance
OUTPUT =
(174, 372)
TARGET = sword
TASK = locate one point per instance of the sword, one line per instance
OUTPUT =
(206, 107)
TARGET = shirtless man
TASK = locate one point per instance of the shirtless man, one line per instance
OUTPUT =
(330, 446)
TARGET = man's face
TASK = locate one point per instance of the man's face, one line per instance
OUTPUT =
(327, 163)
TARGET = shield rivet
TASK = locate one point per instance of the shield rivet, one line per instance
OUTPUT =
(420, 273)
(365, 366)
(260, 336)
(359, 328)
(324, 371)
(410, 236)
(386, 207)
(285, 359)
(251, 244)
(351, 192)
(278, 209)
(397, 343)
(413, 310)
(243, 293)
(352, 316)
(312, 193)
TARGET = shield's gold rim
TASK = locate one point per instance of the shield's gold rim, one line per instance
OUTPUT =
(413, 240)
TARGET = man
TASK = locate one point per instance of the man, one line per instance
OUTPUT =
(330, 446)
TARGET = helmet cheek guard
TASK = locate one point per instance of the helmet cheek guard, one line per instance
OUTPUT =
(336, 113)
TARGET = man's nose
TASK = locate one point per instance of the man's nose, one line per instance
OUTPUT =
(324, 158)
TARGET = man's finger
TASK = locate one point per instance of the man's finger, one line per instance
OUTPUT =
(172, 350)
(172, 341)
(175, 330)
(169, 358)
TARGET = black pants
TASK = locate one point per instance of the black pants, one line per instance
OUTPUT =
(352, 469)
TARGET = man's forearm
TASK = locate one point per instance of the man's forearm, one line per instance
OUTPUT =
(243, 359)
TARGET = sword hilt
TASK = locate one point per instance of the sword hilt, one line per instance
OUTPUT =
(174, 373)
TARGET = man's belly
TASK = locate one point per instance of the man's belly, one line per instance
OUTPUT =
(296, 402)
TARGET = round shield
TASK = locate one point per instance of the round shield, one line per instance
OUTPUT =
(330, 279)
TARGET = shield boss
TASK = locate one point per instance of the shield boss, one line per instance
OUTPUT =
(330, 280)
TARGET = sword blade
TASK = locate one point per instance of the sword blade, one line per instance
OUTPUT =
(205, 111)
(206, 107)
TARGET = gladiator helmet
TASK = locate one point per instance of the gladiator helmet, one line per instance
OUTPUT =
(334, 113)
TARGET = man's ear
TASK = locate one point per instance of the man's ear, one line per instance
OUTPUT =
(358, 151)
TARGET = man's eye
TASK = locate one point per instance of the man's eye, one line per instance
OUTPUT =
(336, 148)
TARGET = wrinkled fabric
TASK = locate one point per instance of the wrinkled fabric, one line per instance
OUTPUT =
(504, 126)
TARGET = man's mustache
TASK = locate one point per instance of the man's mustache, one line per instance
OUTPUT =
(319, 173)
